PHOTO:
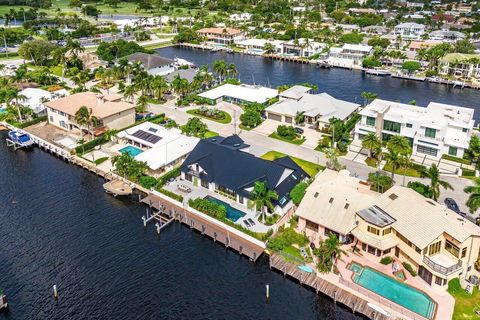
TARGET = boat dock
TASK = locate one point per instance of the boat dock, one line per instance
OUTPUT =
(206, 225)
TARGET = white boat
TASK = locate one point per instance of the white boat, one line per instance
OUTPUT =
(377, 72)
(3, 300)
(20, 138)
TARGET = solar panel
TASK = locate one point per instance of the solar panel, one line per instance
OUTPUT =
(145, 136)
(152, 130)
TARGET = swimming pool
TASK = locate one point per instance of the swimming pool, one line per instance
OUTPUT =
(398, 292)
(133, 151)
(232, 213)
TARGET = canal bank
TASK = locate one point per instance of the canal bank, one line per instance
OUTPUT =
(341, 83)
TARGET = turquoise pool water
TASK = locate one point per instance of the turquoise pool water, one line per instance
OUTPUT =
(133, 151)
(396, 291)
(232, 213)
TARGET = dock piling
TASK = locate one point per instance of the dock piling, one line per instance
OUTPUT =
(267, 292)
(157, 225)
(144, 221)
(55, 292)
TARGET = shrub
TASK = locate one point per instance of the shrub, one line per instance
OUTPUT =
(379, 181)
(208, 207)
(286, 238)
(456, 159)
(410, 269)
(271, 220)
(88, 146)
(287, 132)
(167, 176)
(101, 160)
(386, 260)
(468, 173)
(251, 118)
(171, 194)
(148, 182)
(421, 188)
(298, 192)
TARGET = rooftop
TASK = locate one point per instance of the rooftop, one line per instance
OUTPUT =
(220, 31)
(242, 92)
(149, 61)
(100, 106)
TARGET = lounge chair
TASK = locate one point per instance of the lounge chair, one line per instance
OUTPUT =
(246, 223)
(251, 221)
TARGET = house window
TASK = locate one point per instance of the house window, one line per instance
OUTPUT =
(371, 250)
(429, 132)
(452, 151)
(391, 126)
(371, 121)
(453, 249)
(204, 183)
(373, 230)
(51, 119)
(440, 281)
(387, 251)
(387, 231)
(464, 130)
(409, 125)
(188, 177)
(427, 150)
(364, 247)
(434, 248)
(464, 253)
(311, 225)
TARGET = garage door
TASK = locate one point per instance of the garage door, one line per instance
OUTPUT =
(288, 119)
(275, 117)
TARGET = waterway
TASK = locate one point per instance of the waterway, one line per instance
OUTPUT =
(340, 83)
(57, 226)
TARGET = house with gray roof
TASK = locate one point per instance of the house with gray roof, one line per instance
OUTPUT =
(153, 63)
(318, 109)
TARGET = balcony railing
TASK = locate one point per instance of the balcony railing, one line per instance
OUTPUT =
(420, 135)
(441, 269)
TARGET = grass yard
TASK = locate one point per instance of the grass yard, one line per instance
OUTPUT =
(241, 126)
(211, 134)
(371, 162)
(465, 304)
(311, 168)
(409, 172)
(226, 116)
(157, 46)
(294, 141)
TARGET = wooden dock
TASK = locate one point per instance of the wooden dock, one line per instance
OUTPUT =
(338, 295)
(214, 229)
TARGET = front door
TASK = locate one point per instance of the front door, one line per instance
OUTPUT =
(397, 252)
(425, 275)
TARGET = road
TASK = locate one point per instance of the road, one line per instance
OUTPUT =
(261, 143)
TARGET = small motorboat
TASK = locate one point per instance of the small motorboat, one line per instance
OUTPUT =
(20, 139)
(118, 188)
(377, 72)
(3, 300)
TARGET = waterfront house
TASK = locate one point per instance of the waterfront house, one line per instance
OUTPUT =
(240, 94)
(302, 47)
(221, 36)
(109, 110)
(350, 54)
(460, 66)
(447, 35)
(318, 109)
(245, 16)
(409, 30)
(36, 98)
(438, 243)
(152, 63)
(223, 165)
(432, 131)
(416, 45)
(256, 46)
(160, 148)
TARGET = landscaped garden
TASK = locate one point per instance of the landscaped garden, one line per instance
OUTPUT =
(213, 114)
(287, 134)
(309, 167)
(287, 242)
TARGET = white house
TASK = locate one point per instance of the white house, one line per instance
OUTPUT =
(410, 30)
(432, 131)
(349, 54)
(245, 16)
(256, 46)
(35, 98)
(460, 65)
(302, 47)
(160, 148)
(240, 93)
(221, 36)
(318, 109)
(153, 63)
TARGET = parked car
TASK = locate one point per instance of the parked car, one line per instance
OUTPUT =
(452, 205)
(299, 130)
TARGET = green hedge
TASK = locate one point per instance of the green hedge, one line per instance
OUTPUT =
(410, 269)
(28, 123)
(170, 194)
(386, 260)
(167, 176)
(215, 210)
(468, 173)
(456, 159)
(88, 146)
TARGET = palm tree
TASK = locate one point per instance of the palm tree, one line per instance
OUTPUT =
(371, 142)
(142, 104)
(394, 159)
(84, 117)
(220, 68)
(332, 159)
(269, 49)
(129, 92)
(435, 182)
(400, 144)
(159, 87)
(327, 252)
(263, 197)
(181, 86)
(368, 96)
(473, 202)
(232, 69)
(14, 95)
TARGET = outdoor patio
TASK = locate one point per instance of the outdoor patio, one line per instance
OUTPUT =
(178, 186)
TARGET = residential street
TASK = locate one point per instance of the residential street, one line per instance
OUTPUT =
(261, 143)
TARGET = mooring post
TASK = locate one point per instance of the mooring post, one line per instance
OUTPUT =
(158, 228)
(144, 221)
(267, 292)
(55, 292)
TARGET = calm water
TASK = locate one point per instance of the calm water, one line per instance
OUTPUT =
(57, 226)
(340, 83)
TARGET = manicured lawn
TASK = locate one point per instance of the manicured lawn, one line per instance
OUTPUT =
(211, 134)
(226, 117)
(465, 304)
(371, 162)
(291, 253)
(294, 141)
(409, 172)
(157, 46)
(241, 126)
(311, 168)
(55, 70)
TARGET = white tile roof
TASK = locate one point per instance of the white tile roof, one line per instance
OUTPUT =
(243, 92)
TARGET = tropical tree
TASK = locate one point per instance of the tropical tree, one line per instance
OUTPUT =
(327, 252)
(127, 166)
(400, 143)
(435, 182)
(220, 67)
(394, 159)
(372, 143)
(473, 202)
(195, 127)
(263, 197)
(332, 159)
(269, 48)
(13, 95)
(231, 70)
(142, 104)
(181, 86)
(159, 87)
(368, 96)
(84, 118)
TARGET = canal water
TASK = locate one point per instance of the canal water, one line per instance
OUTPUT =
(340, 83)
(57, 226)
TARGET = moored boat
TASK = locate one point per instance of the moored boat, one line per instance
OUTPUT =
(3, 300)
(377, 72)
(20, 139)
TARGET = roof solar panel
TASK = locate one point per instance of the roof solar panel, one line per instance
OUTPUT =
(145, 136)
